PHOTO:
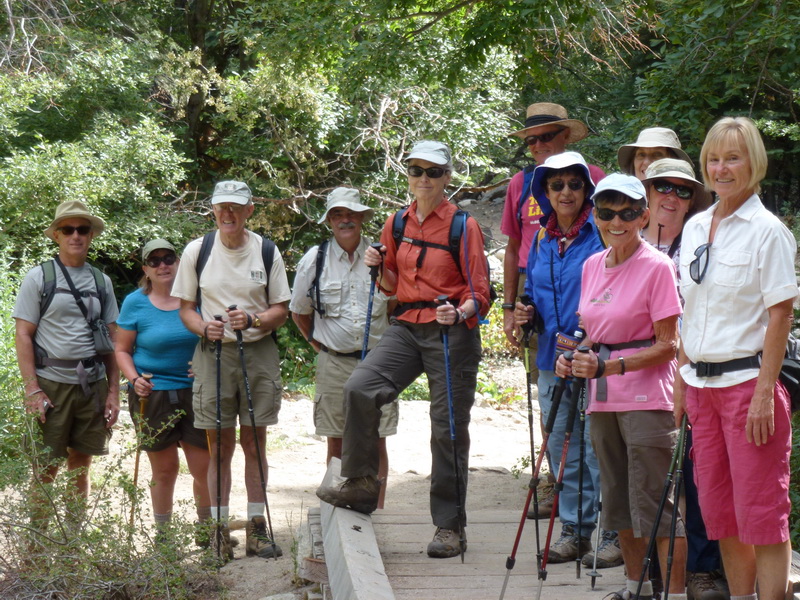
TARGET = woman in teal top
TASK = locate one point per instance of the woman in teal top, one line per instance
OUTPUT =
(152, 339)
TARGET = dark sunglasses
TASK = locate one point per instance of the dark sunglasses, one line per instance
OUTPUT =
(155, 261)
(542, 137)
(699, 266)
(573, 184)
(70, 229)
(432, 172)
(626, 214)
(665, 187)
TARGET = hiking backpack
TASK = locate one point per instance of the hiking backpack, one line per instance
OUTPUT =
(49, 286)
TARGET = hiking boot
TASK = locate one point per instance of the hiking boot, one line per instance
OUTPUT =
(258, 542)
(358, 493)
(203, 530)
(445, 544)
(609, 553)
(225, 547)
(706, 586)
(545, 492)
(565, 548)
(624, 594)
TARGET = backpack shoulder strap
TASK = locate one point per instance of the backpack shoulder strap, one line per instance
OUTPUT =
(319, 265)
(100, 284)
(527, 180)
(202, 259)
(267, 256)
(399, 226)
(48, 286)
(457, 227)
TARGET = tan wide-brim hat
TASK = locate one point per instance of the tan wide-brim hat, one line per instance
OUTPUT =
(673, 168)
(653, 137)
(545, 113)
(348, 198)
(78, 210)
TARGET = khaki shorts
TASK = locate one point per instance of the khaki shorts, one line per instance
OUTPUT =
(168, 419)
(263, 373)
(332, 373)
(75, 421)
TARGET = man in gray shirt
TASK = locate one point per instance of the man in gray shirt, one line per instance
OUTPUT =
(72, 389)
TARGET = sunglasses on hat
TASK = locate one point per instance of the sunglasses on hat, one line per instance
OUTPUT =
(665, 187)
(432, 172)
(626, 214)
(542, 137)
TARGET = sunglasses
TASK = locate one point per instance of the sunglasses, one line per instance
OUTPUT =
(234, 208)
(531, 140)
(665, 187)
(626, 214)
(573, 184)
(699, 266)
(70, 229)
(155, 261)
(432, 172)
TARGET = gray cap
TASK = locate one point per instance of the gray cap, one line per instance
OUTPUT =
(435, 152)
(154, 245)
(348, 198)
(235, 192)
(622, 183)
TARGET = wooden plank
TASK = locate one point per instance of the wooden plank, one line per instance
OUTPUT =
(355, 567)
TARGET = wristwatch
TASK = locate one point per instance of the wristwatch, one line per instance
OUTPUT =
(256, 320)
(508, 306)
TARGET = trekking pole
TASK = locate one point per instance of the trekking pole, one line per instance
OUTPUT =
(582, 458)
(218, 528)
(527, 332)
(593, 573)
(573, 407)
(558, 392)
(137, 427)
(240, 343)
(662, 503)
(675, 500)
(443, 299)
(373, 275)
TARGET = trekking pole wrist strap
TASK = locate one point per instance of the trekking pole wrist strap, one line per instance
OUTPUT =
(601, 368)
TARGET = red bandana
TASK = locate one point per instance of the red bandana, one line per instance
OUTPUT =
(555, 231)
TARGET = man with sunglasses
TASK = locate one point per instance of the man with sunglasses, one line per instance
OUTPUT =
(72, 389)
(547, 132)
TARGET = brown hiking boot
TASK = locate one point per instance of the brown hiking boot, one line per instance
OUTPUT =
(358, 493)
(225, 548)
(706, 586)
(258, 542)
(545, 492)
(445, 544)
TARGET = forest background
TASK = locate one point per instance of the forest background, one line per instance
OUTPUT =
(137, 107)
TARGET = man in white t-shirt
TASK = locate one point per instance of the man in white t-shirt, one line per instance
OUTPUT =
(234, 272)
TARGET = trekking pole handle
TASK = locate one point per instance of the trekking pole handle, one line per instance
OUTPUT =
(373, 270)
(527, 329)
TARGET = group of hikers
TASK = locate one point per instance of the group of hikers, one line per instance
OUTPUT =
(669, 308)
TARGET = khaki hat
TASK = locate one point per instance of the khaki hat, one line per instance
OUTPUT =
(545, 113)
(654, 137)
(235, 192)
(348, 198)
(74, 209)
(435, 152)
(672, 168)
(154, 245)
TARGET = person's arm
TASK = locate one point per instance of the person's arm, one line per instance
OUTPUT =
(510, 284)
(193, 321)
(112, 376)
(124, 344)
(679, 389)
(304, 323)
(761, 414)
(36, 401)
(387, 279)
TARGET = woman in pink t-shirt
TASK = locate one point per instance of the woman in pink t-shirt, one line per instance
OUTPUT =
(629, 307)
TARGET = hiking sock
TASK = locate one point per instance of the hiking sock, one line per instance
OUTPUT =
(220, 513)
(255, 509)
(203, 513)
(678, 596)
(746, 597)
(647, 587)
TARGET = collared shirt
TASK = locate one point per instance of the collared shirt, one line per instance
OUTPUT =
(344, 295)
(437, 273)
(751, 268)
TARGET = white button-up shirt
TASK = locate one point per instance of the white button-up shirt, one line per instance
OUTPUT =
(750, 269)
(344, 295)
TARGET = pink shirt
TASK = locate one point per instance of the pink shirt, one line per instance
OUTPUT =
(531, 213)
(620, 304)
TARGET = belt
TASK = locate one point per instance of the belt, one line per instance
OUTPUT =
(80, 365)
(404, 306)
(705, 369)
(355, 354)
(604, 352)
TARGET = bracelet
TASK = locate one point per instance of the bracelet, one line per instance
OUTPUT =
(621, 366)
(133, 381)
(34, 392)
(508, 306)
(601, 368)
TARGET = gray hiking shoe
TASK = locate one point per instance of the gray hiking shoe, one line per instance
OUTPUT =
(565, 548)
(609, 554)
(357, 493)
(445, 544)
(258, 541)
(706, 586)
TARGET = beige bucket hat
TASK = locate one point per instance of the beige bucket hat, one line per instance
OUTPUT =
(653, 137)
(346, 198)
(673, 168)
(74, 209)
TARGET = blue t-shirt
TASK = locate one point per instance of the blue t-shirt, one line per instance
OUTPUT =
(164, 346)
(554, 284)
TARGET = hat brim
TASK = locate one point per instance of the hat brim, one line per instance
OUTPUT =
(429, 156)
(702, 197)
(626, 154)
(577, 130)
(98, 225)
(233, 199)
(359, 208)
